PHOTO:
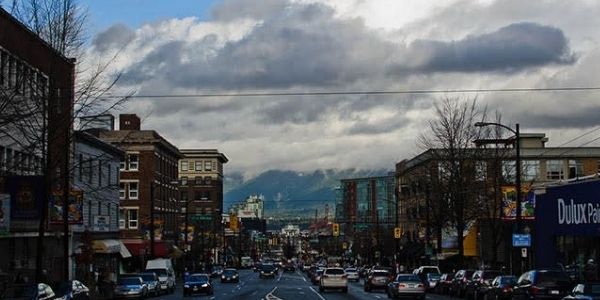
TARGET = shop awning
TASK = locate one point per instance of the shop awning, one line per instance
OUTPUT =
(142, 247)
(110, 246)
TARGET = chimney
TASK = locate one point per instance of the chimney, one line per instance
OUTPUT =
(129, 122)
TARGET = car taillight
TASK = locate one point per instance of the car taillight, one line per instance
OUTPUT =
(344, 276)
(534, 290)
(402, 285)
(507, 290)
(420, 285)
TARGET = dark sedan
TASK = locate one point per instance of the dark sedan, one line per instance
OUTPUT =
(501, 288)
(230, 275)
(480, 282)
(542, 284)
(197, 284)
(267, 271)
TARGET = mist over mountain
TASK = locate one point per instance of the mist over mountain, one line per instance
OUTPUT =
(291, 192)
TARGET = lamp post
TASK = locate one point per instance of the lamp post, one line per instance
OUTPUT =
(152, 219)
(517, 227)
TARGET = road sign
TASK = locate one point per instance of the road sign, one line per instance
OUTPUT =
(335, 228)
(397, 233)
(521, 240)
(196, 218)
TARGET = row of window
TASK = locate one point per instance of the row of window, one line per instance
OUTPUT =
(19, 163)
(96, 171)
(128, 190)
(197, 165)
(131, 162)
(207, 180)
(25, 80)
(198, 196)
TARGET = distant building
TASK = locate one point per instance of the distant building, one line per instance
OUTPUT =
(290, 230)
(148, 173)
(251, 207)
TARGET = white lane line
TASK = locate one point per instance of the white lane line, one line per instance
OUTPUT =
(377, 297)
(270, 295)
(317, 293)
(279, 278)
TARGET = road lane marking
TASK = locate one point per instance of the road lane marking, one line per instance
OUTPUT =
(311, 288)
(270, 295)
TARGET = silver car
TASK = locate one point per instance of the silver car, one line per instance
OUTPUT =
(406, 285)
(352, 274)
(131, 287)
(334, 278)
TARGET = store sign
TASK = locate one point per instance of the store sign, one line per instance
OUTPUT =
(4, 214)
(569, 212)
(101, 223)
(521, 240)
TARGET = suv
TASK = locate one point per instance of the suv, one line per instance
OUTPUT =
(377, 279)
(542, 284)
(460, 282)
(334, 278)
(480, 282)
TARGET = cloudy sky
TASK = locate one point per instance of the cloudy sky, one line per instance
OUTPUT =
(242, 46)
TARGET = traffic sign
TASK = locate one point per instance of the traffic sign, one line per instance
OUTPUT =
(521, 240)
(397, 233)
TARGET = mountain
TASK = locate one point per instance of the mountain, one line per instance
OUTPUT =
(290, 192)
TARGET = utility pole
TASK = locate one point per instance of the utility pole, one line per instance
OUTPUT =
(152, 219)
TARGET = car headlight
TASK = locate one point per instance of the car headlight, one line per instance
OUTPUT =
(186, 286)
(234, 276)
(205, 285)
(222, 276)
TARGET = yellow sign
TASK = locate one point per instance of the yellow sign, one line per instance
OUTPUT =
(335, 228)
(397, 233)
(233, 222)
(344, 245)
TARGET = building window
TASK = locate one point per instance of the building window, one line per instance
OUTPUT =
(205, 196)
(207, 166)
(122, 218)
(132, 222)
(508, 171)
(122, 190)
(197, 196)
(122, 165)
(198, 166)
(208, 180)
(184, 181)
(184, 165)
(530, 170)
(184, 196)
(133, 190)
(133, 162)
(554, 169)
(575, 168)
(198, 181)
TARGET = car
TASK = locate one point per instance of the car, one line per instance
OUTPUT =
(306, 267)
(73, 290)
(289, 267)
(586, 291)
(316, 277)
(460, 282)
(216, 271)
(377, 279)
(230, 275)
(542, 284)
(422, 271)
(166, 275)
(352, 274)
(131, 287)
(151, 279)
(501, 288)
(333, 278)
(480, 282)
(197, 283)
(406, 285)
(431, 280)
(267, 271)
(444, 285)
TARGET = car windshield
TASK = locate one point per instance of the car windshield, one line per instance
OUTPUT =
(198, 278)
(229, 272)
(512, 280)
(334, 271)
(433, 276)
(551, 278)
(159, 272)
(129, 281)
(148, 277)
(268, 268)
(407, 278)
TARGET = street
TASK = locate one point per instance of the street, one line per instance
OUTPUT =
(285, 286)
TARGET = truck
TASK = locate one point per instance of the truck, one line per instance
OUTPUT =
(163, 267)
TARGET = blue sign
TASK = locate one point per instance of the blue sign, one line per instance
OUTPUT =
(521, 240)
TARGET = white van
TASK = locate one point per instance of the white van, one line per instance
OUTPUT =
(166, 275)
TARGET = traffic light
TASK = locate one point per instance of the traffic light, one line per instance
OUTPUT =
(335, 229)
(397, 233)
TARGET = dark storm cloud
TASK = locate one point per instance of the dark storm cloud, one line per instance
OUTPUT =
(581, 118)
(115, 37)
(509, 49)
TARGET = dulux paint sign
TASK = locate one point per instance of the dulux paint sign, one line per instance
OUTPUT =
(570, 212)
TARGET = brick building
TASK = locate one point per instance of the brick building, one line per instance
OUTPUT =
(36, 96)
(201, 188)
(148, 174)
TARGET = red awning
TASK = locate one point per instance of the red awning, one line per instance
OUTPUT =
(142, 247)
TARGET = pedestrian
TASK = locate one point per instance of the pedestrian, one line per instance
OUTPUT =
(590, 271)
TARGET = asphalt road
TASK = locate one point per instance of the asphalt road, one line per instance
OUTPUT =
(286, 286)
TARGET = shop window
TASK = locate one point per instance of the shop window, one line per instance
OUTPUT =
(575, 168)
(554, 170)
(133, 162)
(531, 170)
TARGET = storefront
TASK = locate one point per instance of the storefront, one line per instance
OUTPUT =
(567, 224)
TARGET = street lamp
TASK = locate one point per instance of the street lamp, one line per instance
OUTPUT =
(518, 169)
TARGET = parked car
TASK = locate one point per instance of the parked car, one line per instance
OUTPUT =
(501, 288)
(460, 282)
(131, 287)
(334, 278)
(197, 284)
(267, 271)
(480, 282)
(73, 290)
(230, 275)
(377, 280)
(352, 274)
(406, 285)
(431, 280)
(587, 291)
(166, 275)
(316, 277)
(542, 284)
(444, 285)
(151, 279)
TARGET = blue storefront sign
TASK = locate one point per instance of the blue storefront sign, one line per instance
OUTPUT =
(571, 209)
(521, 240)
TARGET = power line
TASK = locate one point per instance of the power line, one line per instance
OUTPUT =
(351, 93)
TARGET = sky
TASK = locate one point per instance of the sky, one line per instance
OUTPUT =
(282, 46)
